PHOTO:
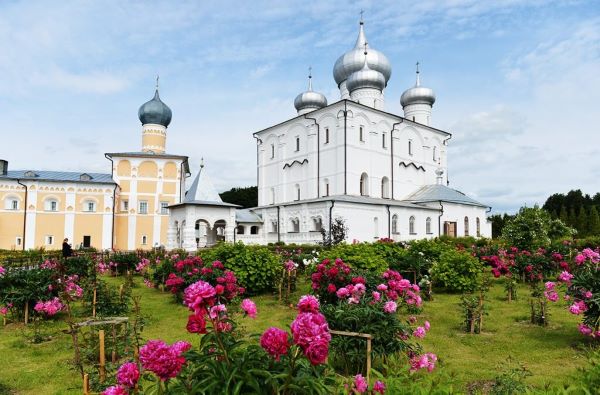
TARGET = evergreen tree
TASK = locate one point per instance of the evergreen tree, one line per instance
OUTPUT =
(246, 197)
(563, 216)
(593, 222)
(582, 223)
(572, 218)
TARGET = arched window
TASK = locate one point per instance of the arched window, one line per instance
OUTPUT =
(478, 225)
(297, 187)
(466, 226)
(364, 184)
(317, 224)
(89, 206)
(395, 224)
(385, 188)
(428, 225)
(272, 151)
(410, 147)
(254, 230)
(411, 225)
(294, 225)
(274, 226)
(240, 229)
(297, 144)
(51, 205)
(326, 135)
(144, 240)
(434, 154)
(11, 203)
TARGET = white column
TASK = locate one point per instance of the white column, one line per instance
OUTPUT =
(31, 218)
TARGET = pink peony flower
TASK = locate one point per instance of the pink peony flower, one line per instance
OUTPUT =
(552, 296)
(163, 360)
(317, 351)
(196, 324)
(578, 307)
(588, 294)
(3, 310)
(565, 277)
(585, 330)
(249, 308)
(579, 259)
(331, 288)
(199, 295)
(379, 387)
(115, 390)
(425, 361)
(419, 332)
(550, 285)
(342, 293)
(311, 332)
(128, 374)
(308, 304)
(2, 271)
(180, 347)
(382, 287)
(376, 296)
(218, 311)
(275, 342)
(360, 384)
(390, 307)
(427, 326)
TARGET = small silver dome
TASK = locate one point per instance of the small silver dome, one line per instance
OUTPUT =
(365, 78)
(353, 60)
(417, 94)
(310, 99)
(155, 111)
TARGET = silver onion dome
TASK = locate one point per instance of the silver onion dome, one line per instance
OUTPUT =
(366, 77)
(417, 94)
(155, 111)
(353, 60)
(310, 99)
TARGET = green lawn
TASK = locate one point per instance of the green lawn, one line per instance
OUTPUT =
(551, 353)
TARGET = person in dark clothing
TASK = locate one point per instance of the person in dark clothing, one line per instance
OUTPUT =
(67, 251)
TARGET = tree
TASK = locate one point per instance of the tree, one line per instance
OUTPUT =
(572, 218)
(532, 227)
(582, 223)
(498, 222)
(336, 235)
(563, 215)
(593, 222)
(246, 197)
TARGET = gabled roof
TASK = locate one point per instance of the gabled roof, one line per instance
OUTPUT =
(202, 189)
(247, 215)
(437, 192)
(58, 176)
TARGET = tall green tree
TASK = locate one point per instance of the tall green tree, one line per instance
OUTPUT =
(532, 227)
(582, 223)
(563, 215)
(246, 197)
(593, 222)
(572, 217)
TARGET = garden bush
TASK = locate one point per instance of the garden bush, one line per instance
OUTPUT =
(457, 271)
(256, 268)
(358, 256)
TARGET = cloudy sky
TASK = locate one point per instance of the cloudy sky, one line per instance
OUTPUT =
(517, 82)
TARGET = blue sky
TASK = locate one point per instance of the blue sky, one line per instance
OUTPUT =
(517, 82)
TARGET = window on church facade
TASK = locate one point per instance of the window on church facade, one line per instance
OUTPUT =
(125, 205)
(434, 154)
(385, 188)
(361, 134)
(383, 143)
(14, 204)
(411, 225)
(297, 192)
(89, 206)
(466, 226)
(49, 240)
(273, 226)
(272, 151)
(364, 184)
(18, 241)
(395, 224)
(410, 147)
(297, 144)
(143, 209)
(478, 226)
(317, 224)
(428, 225)
(51, 205)
(240, 229)
(164, 208)
(326, 187)
(144, 240)
(272, 195)
(326, 135)
(375, 228)
(294, 225)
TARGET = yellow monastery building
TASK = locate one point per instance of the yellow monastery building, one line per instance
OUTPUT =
(125, 209)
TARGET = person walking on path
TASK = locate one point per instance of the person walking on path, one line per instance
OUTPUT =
(67, 251)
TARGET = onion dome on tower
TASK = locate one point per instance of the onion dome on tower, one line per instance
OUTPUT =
(155, 116)
(310, 100)
(366, 85)
(353, 61)
(417, 102)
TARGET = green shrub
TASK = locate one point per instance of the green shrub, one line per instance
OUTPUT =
(256, 268)
(358, 256)
(457, 271)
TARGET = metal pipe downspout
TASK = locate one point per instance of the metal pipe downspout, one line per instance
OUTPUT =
(440, 219)
(331, 219)
(392, 152)
(389, 222)
(445, 142)
(24, 212)
(278, 225)
(318, 154)
(258, 141)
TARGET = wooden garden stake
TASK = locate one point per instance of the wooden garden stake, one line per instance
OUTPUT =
(368, 359)
(114, 339)
(121, 293)
(136, 354)
(363, 335)
(102, 356)
(26, 312)
(86, 384)
(480, 313)
(94, 304)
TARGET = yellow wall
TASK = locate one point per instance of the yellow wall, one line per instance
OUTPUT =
(11, 227)
(88, 225)
(121, 231)
(145, 226)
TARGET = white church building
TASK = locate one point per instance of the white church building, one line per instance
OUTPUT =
(384, 174)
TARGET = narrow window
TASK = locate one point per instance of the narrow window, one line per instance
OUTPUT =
(18, 241)
(466, 226)
(326, 135)
(297, 192)
(274, 226)
(411, 225)
(125, 205)
(254, 230)
(385, 188)
(434, 154)
(395, 224)
(297, 144)
(144, 240)
(364, 184)
(375, 228)
(272, 151)
(143, 209)
(410, 150)
(428, 225)
(317, 224)
(164, 208)
(327, 189)
(53, 205)
(49, 240)
(240, 229)
(478, 225)
(89, 206)
(383, 141)
(361, 134)
(14, 205)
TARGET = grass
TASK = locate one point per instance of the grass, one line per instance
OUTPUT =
(551, 353)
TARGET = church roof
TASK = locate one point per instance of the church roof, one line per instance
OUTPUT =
(247, 215)
(433, 193)
(59, 176)
(202, 189)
